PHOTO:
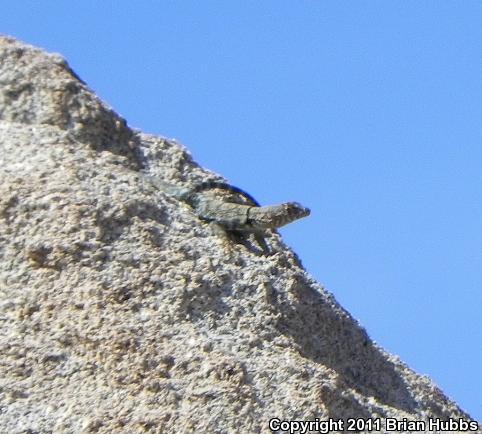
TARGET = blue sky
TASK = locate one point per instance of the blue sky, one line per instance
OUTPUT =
(368, 112)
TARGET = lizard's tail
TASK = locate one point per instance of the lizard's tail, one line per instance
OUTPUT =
(169, 189)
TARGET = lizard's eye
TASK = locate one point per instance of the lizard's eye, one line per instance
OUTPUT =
(297, 210)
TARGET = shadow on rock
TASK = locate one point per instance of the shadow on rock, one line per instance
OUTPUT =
(327, 334)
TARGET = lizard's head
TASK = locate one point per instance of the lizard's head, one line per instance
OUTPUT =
(295, 211)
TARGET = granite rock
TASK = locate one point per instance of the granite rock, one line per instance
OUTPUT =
(122, 312)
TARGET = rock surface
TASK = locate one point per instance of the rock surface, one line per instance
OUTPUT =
(122, 312)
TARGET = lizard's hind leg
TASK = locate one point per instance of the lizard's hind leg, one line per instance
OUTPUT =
(222, 234)
(240, 237)
(243, 237)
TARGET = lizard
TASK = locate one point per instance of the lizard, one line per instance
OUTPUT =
(238, 218)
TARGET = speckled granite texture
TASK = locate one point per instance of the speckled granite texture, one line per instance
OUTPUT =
(122, 312)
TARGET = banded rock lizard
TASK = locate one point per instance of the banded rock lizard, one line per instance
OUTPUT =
(239, 216)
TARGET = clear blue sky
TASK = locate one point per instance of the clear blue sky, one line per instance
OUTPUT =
(368, 112)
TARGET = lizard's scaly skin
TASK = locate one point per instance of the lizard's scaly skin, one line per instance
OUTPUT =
(275, 216)
(246, 218)
(219, 185)
(238, 218)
